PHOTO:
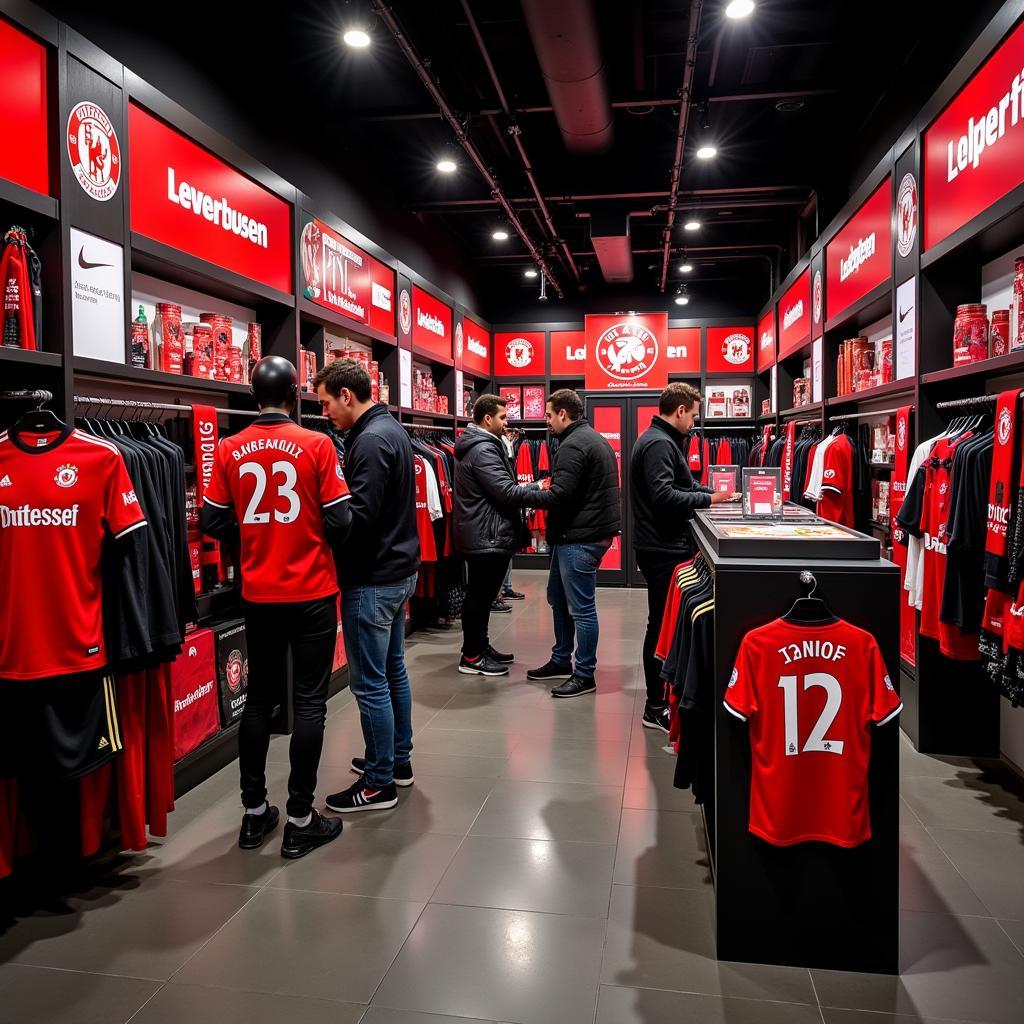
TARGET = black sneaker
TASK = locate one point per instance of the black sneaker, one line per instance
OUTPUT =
(500, 606)
(512, 595)
(359, 797)
(403, 775)
(504, 659)
(256, 827)
(657, 718)
(550, 671)
(574, 686)
(319, 832)
(483, 666)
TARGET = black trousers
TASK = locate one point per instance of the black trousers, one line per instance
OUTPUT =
(656, 567)
(309, 629)
(484, 577)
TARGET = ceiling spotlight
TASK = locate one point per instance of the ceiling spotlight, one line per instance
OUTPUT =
(446, 165)
(692, 225)
(529, 272)
(707, 153)
(681, 298)
(737, 9)
(499, 235)
(686, 267)
(357, 38)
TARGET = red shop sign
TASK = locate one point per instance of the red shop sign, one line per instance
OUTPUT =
(185, 197)
(476, 352)
(766, 341)
(431, 325)
(519, 354)
(24, 122)
(974, 150)
(626, 352)
(608, 423)
(859, 258)
(795, 315)
(568, 354)
(683, 351)
(730, 350)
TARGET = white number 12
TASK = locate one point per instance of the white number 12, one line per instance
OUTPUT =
(285, 490)
(833, 701)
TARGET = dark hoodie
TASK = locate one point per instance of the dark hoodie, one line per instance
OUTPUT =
(488, 512)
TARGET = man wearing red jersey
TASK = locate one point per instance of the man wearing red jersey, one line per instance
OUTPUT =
(811, 693)
(281, 489)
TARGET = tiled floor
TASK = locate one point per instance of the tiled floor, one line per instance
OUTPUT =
(542, 869)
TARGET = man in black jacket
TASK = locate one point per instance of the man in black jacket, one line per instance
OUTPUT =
(377, 571)
(584, 506)
(664, 497)
(489, 528)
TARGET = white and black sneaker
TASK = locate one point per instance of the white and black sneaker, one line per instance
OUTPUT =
(482, 666)
(402, 775)
(360, 797)
(657, 718)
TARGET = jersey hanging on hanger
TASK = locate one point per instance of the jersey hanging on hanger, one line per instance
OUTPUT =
(837, 484)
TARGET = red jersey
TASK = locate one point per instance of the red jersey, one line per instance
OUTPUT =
(278, 476)
(61, 494)
(836, 502)
(810, 694)
(428, 508)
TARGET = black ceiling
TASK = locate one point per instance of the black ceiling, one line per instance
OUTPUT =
(848, 77)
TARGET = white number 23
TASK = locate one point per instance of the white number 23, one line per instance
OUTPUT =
(285, 490)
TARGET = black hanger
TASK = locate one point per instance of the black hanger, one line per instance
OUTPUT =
(810, 610)
(38, 420)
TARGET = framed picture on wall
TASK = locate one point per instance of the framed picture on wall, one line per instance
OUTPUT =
(534, 402)
(514, 398)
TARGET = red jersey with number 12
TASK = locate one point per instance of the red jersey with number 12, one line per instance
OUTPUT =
(810, 694)
(277, 477)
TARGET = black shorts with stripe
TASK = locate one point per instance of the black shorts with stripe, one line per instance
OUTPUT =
(60, 728)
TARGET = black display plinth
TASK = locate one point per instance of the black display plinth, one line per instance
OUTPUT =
(810, 905)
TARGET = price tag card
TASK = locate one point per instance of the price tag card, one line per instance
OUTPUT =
(762, 493)
(724, 479)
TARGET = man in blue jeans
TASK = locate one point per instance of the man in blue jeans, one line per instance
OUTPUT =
(584, 506)
(377, 572)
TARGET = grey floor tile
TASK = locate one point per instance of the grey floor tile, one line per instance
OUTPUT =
(929, 882)
(141, 925)
(649, 1006)
(649, 743)
(1015, 929)
(664, 939)
(550, 760)
(318, 945)
(968, 801)
(36, 995)
(831, 1016)
(962, 968)
(197, 1004)
(457, 766)
(530, 874)
(463, 742)
(384, 1015)
(447, 806)
(544, 810)
(993, 865)
(649, 786)
(374, 862)
(913, 764)
(498, 965)
(662, 848)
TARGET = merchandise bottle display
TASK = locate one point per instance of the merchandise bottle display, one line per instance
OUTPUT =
(140, 341)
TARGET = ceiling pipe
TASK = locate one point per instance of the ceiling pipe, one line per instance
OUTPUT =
(452, 204)
(386, 15)
(685, 102)
(517, 141)
(568, 48)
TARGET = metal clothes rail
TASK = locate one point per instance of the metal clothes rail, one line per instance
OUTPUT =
(865, 415)
(964, 403)
(419, 426)
(127, 403)
(26, 396)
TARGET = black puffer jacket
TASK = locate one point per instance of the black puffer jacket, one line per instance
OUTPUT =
(584, 502)
(488, 516)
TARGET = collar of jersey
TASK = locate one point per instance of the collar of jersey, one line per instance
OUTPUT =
(16, 440)
(272, 419)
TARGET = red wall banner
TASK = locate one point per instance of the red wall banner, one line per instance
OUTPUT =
(608, 423)
(795, 315)
(476, 348)
(24, 119)
(766, 341)
(431, 326)
(974, 150)
(382, 297)
(859, 258)
(730, 350)
(187, 198)
(626, 352)
(683, 351)
(568, 354)
(519, 354)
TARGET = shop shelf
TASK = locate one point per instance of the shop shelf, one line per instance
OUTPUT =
(100, 368)
(766, 416)
(393, 409)
(13, 195)
(421, 355)
(727, 421)
(894, 387)
(310, 311)
(21, 357)
(866, 310)
(802, 410)
(216, 603)
(1012, 362)
(882, 466)
(309, 396)
(446, 417)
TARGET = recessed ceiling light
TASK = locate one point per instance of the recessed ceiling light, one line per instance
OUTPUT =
(530, 272)
(707, 153)
(681, 298)
(446, 165)
(692, 225)
(499, 235)
(686, 267)
(739, 9)
(357, 38)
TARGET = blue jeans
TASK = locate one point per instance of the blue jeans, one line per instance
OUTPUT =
(373, 621)
(572, 594)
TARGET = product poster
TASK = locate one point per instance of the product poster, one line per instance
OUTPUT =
(97, 297)
(762, 495)
(514, 401)
(906, 329)
(724, 479)
(626, 351)
(762, 492)
(534, 402)
(774, 388)
(460, 395)
(405, 377)
(816, 387)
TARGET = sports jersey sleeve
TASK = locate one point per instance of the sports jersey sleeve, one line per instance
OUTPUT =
(123, 512)
(885, 701)
(332, 483)
(741, 693)
(217, 491)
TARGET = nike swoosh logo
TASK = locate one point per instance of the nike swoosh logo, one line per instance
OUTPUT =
(904, 315)
(86, 265)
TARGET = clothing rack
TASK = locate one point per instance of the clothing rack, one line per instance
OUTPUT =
(867, 414)
(126, 403)
(730, 428)
(962, 403)
(418, 426)
(804, 423)
(40, 396)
